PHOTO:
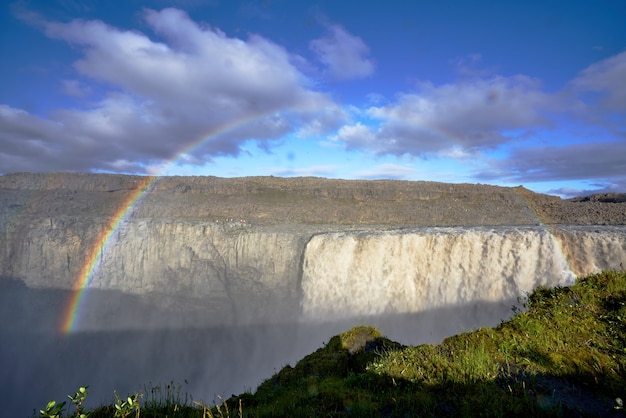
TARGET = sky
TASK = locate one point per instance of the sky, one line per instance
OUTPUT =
(506, 93)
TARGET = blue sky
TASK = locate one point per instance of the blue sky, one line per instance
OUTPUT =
(508, 93)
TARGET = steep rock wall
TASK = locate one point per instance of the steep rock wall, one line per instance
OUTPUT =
(247, 270)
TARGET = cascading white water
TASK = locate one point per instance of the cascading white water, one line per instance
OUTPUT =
(349, 274)
(416, 285)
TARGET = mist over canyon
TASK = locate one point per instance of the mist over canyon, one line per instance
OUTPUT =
(216, 283)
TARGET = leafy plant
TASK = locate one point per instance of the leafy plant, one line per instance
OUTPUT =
(78, 399)
(53, 410)
(123, 408)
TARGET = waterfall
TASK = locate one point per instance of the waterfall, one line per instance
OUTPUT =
(349, 274)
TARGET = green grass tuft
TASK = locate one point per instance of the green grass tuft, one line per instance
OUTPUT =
(565, 355)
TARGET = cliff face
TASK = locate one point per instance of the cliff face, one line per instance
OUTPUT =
(241, 243)
(241, 270)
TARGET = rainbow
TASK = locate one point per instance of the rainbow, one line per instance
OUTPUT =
(86, 273)
(72, 308)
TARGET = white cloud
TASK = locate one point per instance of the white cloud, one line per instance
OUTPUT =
(327, 119)
(198, 66)
(592, 160)
(29, 143)
(608, 78)
(343, 54)
(467, 116)
(601, 93)
(595, 150)
(457, 153)
(180, 82)
(163, 96)
(356, 134)
(473, 118)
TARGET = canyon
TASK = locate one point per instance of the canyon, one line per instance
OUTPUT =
(264, 248)
(247, 274)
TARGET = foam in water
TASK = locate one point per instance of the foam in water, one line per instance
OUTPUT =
(349, 274)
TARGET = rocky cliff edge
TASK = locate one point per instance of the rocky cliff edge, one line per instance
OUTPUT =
(304, 200)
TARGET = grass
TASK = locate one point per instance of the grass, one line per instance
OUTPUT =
(565, 355)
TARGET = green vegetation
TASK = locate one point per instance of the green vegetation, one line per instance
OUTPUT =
(565, 355)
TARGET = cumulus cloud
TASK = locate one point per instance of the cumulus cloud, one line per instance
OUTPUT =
(466, 116)
(344, 55)
(598, 96)
(605, 78)
(357, 133)
(143, 97)
(194, 83)
(592, 160)
(29, 143)
(197, 66)
(473, 117)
